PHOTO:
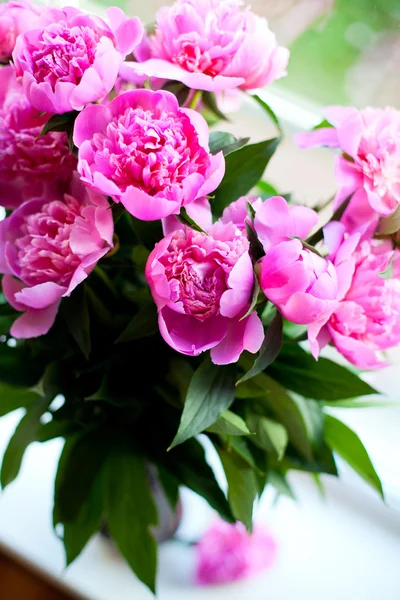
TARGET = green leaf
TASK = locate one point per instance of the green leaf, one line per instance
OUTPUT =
(242, 486)
(391, 224)
(256, 249)
(140, 254)
(143, 324)
(188, 463)
(267, 109)
(285, 409)
(211, 392)
(13, 397)
(80, 463)
(229, 424)
(25, 433)
(76, 315)
(220, 140)
(313, 418)
(388, 272)
(360, 403)
(323, 461)
(131, 512)
(55, 429)
(89, 520)
(266, 190)
(184, 218)
(11, 360)
(243, 169)
(269, 435)
(269, 350)
(241, 446)
(323, 125)
(343, 440)
(280, 483)
(210, 102)
(324, 379)
(59, 122)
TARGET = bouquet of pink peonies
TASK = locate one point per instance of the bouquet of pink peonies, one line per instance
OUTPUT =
(154, 288)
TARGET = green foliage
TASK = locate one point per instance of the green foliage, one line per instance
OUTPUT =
(348, 445)
(211, 392)
(225, 142)
(244, 168)
(320, 380)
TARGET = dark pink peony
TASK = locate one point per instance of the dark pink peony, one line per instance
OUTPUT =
(210, 45)
(72, 59)
(28, 162)
(145, 151)
(202, 285)
(48, 246)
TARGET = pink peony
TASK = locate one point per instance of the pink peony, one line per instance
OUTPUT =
(302, 284)
(27, 162)
(72, 59)
(370, 163)
(210, 45)
(15, 18)
(146, 152)
(367, 317)
(202, 285)
(228, 553)
(237, 213)
(48, 246)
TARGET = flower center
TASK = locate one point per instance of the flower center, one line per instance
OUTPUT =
(154, 152)
(64, 54)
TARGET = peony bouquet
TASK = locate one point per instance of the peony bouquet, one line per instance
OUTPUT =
(155, 287)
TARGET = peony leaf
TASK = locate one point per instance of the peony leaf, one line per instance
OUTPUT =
(211, 392)
(347, 444)
(266, 108)
(184, 218)
(269, 434)
(229, 423)
(220, 140)
(143, 324)
(76, 314)
(243, 170)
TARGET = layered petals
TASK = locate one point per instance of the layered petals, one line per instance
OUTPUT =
(71, 59)
(202, 285)
(210, 45)
(146, 152)
(47, 247)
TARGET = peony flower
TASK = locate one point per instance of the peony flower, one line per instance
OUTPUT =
(16, 17)
(202, 286)
(146, 152)
(237, 213)
(370, 163)
(28, 161)
(210, 45)
(367, 317)
(72, 59)
(302, 284)
(48, 246)
(228, 553)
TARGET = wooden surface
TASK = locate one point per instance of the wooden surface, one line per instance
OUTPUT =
(19, 583)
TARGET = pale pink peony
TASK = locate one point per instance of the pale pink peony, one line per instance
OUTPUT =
(366, 320)
(28, 162)
(370, 163)
(210, 45)
(229, 553)
(237, 213)
(302, 284)
(146, 152)
(16, 17)
(72, 59)
(48, 246)
(202, 286)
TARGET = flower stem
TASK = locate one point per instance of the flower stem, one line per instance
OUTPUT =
(195, 99)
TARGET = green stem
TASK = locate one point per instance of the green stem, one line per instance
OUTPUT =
(195, 99)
